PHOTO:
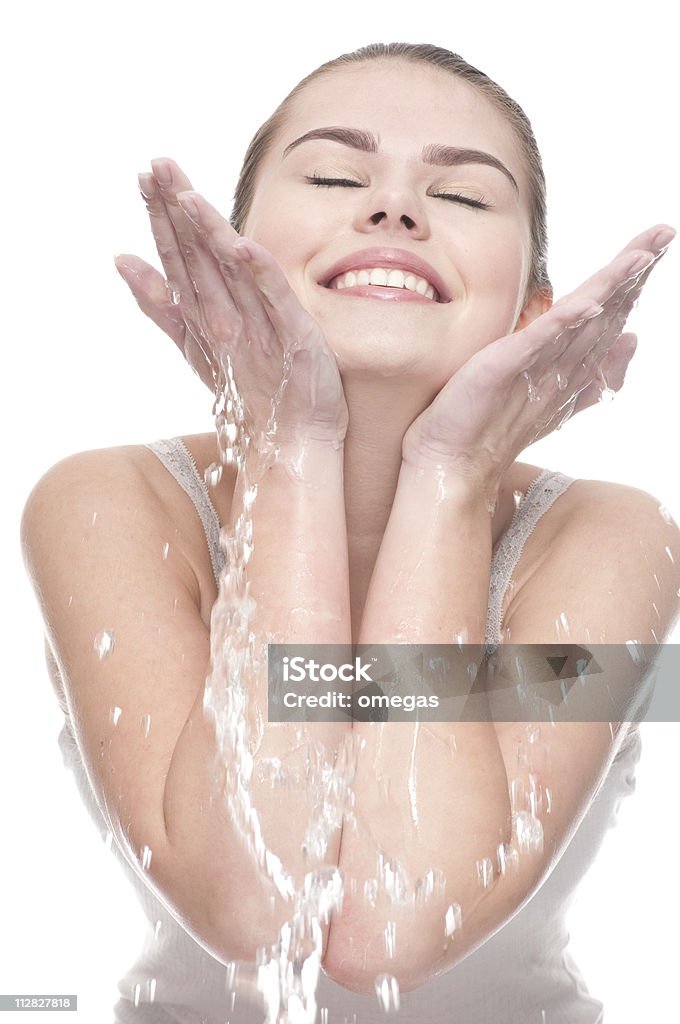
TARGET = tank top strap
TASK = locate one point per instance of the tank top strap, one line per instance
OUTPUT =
(543, 491)
(179, 461)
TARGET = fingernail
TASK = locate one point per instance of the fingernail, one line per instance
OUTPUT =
(162, 173)
(147, 185)
(664, 237)
(189, 205)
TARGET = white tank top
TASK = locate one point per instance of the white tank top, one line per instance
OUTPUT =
(524, 973)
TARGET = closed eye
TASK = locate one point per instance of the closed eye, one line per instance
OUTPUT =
(330, 182)
(456, 197)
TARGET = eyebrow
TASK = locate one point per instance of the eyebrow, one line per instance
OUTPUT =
(346, 136)
(439, 156)
(452, 156)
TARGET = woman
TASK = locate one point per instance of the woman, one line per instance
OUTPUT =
(390, 257)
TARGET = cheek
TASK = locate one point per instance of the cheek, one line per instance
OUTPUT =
(495, 279)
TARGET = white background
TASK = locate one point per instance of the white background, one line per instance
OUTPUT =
(93, 92)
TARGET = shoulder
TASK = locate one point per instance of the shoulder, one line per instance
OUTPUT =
(609, 548)
(110, 493)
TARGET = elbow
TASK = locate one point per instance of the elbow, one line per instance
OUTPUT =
(355, 959)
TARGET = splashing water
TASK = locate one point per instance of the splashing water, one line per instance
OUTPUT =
(286, 974)
(387, 991)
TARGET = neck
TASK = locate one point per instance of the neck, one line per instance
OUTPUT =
(380, 413)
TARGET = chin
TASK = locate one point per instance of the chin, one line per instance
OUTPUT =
(388, 343)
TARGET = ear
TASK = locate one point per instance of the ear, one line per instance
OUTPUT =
(539, 302)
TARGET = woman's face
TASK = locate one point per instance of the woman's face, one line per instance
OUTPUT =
(420, 179)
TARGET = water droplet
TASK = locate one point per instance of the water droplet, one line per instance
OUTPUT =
(371, 892)
(529, 832)
(146, 857)
(532, 394)
(635, 651)
(607, 395)
(157, 929)
(249, 498)
(387, 991)
(390, 938)
(146, 725)
(562, 382)
(670, 555)
(453, 921)
(115, 715)
(485, 874)
(104, 642)
(517, 497)
(166, 549)
(665, 514)
(94, 518)
(70, 601)
(533, 733)
(213, 474)
(230, 976)
(175, 296)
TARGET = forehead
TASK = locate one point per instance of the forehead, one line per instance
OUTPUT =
(407, 106)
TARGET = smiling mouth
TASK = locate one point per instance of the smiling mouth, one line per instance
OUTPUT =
(385, 278)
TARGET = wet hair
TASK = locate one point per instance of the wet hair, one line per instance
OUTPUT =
(434, 56)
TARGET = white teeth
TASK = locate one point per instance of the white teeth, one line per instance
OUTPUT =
(385, 278)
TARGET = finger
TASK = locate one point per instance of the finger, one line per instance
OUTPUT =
(165, 238)
(150, 291)
(292, 323)
(591, 343)
(656, 239)
(170, 181)
(231, 271)
(612, 372)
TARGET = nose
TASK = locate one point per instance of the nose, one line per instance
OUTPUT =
(395, 210)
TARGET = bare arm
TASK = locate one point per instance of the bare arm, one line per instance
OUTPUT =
(430, 585)
(154, 787)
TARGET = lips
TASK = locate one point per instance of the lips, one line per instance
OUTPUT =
(418, 279)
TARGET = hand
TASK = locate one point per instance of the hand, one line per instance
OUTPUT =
(228, 307)
(520, 388)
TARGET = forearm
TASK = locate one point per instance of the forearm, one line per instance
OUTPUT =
(430, 584)
(416, 800)
(298, 578)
